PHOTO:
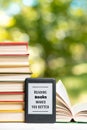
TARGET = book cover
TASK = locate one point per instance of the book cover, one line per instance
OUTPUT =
(13, 43)
(12, 55)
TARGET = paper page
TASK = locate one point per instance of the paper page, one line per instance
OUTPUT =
(60, 89)
(79, 107)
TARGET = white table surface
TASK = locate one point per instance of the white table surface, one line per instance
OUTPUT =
(33, 126)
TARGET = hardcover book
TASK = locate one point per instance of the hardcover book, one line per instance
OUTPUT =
(11, 115)
(12, 105)
(14, 64)
(14, 58)
(13, 48)
(15, 69)
(11, 86)
(11, 96)
(64, 111)
(14, 77)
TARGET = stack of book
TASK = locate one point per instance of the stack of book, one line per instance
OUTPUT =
(14, 68)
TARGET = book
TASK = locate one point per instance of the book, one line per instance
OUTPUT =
(14, 64)
(12, 116)
(15, 69)
(11, 96)
(13, 48)
(11, 86)
(14, 77)
(10, 105)
(14, 58)
(64, 111)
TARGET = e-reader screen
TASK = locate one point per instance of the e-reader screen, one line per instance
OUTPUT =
(40, 99)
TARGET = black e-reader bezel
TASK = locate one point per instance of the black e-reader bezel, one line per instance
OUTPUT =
(40, 118)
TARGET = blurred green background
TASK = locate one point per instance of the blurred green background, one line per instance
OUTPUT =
(57, 34)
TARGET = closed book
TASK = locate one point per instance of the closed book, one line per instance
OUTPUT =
(14, 58)
(11, 86)
(13, 64)
(11, 96)
(10, 105)
(15, 69)
(12, 116)
(14, 77)
(13, 48)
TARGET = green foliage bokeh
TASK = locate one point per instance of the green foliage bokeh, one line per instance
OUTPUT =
(57, 34)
